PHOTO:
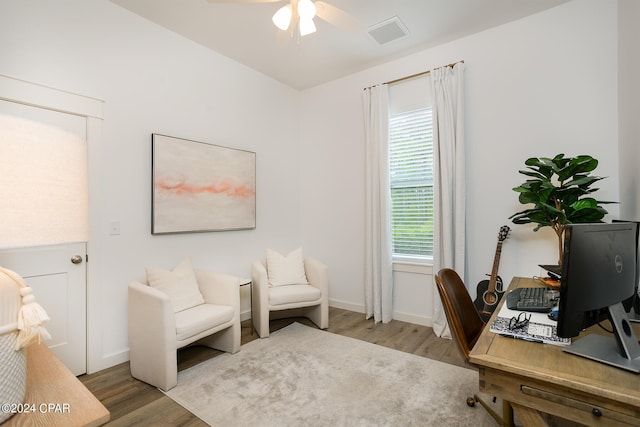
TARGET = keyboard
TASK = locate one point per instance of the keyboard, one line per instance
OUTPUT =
(530, 299)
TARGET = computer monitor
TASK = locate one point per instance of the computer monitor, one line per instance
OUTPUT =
(599, 272)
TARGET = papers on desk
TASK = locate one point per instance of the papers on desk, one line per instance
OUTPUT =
(539, 328)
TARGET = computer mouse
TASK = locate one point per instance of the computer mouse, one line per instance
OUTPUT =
(553, 315)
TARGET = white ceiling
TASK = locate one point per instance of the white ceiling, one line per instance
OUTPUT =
(244, 31)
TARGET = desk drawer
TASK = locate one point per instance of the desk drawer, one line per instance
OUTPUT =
(553, 399)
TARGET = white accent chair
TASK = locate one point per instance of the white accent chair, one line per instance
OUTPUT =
(156, 332)
(295, 300)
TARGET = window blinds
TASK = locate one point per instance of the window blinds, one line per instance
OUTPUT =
(411, 182)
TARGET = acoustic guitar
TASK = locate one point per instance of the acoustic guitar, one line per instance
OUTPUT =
(489, 292)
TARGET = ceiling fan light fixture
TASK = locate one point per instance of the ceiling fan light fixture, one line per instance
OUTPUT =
(307, 26)
(282, 18)
(306, 10)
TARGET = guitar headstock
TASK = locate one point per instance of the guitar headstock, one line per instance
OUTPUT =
(503, 233)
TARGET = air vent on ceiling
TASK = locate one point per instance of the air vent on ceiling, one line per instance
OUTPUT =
(388, 30)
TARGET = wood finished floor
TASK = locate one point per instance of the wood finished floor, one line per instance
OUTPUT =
(134, 403)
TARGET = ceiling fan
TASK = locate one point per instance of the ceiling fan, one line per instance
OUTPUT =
(299, 15)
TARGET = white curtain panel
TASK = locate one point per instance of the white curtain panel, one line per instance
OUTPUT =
(449, 181)
(378, 252)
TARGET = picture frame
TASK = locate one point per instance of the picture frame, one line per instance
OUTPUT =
(201, 187)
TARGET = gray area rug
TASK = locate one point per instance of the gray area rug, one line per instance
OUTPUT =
(301, 376)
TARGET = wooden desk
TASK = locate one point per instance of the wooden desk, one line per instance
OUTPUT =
(541, 377)
(55, 397)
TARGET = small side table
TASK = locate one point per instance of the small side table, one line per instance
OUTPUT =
(247, 282)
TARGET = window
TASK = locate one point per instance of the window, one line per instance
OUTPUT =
(411, 181)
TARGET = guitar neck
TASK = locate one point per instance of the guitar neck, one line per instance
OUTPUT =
(494, 270)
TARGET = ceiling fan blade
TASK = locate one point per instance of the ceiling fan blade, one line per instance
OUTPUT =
(244, 1)
(338, 17)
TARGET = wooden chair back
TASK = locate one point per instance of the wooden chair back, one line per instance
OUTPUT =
(465, 323)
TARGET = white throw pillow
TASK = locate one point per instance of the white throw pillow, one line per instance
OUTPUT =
(286, 270)
(179, 284)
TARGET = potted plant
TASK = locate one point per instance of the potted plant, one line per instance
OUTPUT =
(559, 189)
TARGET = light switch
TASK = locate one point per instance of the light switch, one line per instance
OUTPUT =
(114, 228)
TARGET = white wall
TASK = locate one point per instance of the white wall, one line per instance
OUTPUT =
(629, 105)
(534, 87)
(154, 81)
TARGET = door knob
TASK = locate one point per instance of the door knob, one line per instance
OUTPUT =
(76, 259)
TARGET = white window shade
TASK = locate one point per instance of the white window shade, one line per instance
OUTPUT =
(410, 95)
(44, 185)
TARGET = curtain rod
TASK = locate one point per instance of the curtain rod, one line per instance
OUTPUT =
(419, 74)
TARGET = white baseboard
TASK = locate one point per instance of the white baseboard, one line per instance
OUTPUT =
(358, 308)
(413, 318)
(403, 317)
(108, 361)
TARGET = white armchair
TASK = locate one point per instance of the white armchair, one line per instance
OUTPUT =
(157, 330)
(309, 300)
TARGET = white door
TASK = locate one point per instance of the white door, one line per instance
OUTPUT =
(57, 276)
(58, 284)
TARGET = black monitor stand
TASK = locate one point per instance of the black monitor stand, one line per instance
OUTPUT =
(634, 313)
(622, 350)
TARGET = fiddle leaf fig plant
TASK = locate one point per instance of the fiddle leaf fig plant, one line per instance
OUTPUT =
(559, 190)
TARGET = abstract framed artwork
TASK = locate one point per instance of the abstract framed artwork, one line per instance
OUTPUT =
(198, 187)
